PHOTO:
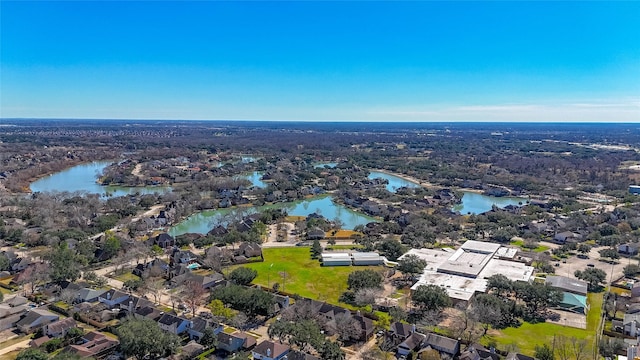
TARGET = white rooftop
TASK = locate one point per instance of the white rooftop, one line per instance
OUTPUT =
(464, 271)
(336, 256)
(514, 271)
(480, 246)
(458, 287)
(506, 252)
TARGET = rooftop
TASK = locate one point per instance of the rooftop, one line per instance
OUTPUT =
(567, 284)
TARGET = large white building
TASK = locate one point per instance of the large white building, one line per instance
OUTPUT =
(463, 272)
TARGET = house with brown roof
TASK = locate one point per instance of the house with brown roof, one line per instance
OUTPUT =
(60, 328)
(94, 344)
(269, 350)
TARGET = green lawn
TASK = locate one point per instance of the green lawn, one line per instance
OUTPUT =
(126, 276)
(304, 276)
(539, 248)
(527, 336)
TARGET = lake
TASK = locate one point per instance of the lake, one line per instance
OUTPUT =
(395, 182)
(326, 164)
(83, 178)
(204, 221)
(474, 203)
(255, 177)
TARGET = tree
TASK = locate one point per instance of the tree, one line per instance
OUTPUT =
(430, 354)
(361, 279)
(64, 264)
(366, 296)
(143, 338)
(243, 275)
(219, 310)
(499, 285)
(331, 351)
(316, 249)
(543, 352)
(610, 253)
(584, 248)
(594, 277)
(193, 295)
(631, 270)
(430, 297)
(111, 244)
(4, 263)
(411, 265)
(391, 249)
(346, 327)
(32, 354)
(209, 339)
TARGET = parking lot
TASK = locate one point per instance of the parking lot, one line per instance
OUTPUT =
(568, 266)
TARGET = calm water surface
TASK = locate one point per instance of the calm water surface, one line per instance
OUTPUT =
(473, 203)
(83, 178)
(204, 221)
(395, 182)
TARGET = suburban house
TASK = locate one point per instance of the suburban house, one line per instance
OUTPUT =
(60, 328)
(191, 350)
(443, 344)
(628, 249)
(164, 240)
(233, 342)
(479, 352)
(173, 324)
(206, 282)
(113, 297)
(516, 356)
(198, 325)
(269, 350)
(36, 319)
(88, 295)
(574, 293)
(399, 332)
(412, 343)
(565, 237)
(10, 315)
(366, 326)
(94, 344)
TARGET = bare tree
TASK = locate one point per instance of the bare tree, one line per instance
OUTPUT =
(579, 348)
(346, 327)
(562, 347)
(366, 296)
(193, 294)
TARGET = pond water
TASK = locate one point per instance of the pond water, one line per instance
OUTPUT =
(395, 182)
(327, 164)
(474, 203)
(204, 221)
(83, 178)
(254, 177)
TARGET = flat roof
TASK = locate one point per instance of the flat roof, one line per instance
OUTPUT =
(567, 284)
(365, 255)
(458, 287)
(433, 257)
(480, 246)
(506, 252)
(464, 262)
(514, 271)
(336, 256)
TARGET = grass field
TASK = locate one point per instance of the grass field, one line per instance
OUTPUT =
(539, 248)
(304, 276)
(527, 336)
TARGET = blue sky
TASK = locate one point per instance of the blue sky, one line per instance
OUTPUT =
(365, 61)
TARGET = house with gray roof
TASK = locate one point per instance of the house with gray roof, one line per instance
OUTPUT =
(270, 350)
(173, 324)
(574, 293)
(36, 319)
(60, 328)
(89, 295)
